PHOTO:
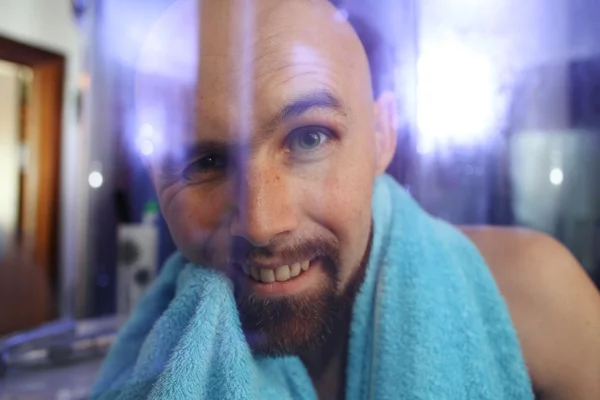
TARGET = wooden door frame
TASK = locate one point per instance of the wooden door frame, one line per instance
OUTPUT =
(40, 203)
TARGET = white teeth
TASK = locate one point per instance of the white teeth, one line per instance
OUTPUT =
(305, 265)
(255, 272)
(295, 270)
(267, 275)
(282, 274)
(246, 269)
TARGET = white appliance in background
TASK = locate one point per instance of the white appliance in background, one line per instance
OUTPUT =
(137, 263)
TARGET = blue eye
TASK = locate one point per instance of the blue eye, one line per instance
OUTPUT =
(309, 138)
(210, 164)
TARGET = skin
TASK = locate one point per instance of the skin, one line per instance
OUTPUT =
(255, 61)
(554, 306)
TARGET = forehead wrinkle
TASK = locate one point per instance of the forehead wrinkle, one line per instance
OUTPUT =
(297, 69)
(323, 76)
(319, 80)
(295, 59)
(265, 75)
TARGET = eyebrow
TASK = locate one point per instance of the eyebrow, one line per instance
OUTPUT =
(301, 104)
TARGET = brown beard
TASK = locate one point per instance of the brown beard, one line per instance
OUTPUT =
(301, 324)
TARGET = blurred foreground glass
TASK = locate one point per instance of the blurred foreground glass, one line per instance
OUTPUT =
(500, 124)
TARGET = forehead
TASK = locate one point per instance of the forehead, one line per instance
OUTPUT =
(255, 55)
(223, 65)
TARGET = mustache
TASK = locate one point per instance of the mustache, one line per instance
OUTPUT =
(240, 251)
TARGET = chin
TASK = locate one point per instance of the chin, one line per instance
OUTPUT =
(298, 324)
(301, 315)
(288, 325)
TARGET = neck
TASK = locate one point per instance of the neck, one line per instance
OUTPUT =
(326, 365)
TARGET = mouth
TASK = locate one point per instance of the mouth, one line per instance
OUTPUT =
(283, 280)
(282, 273)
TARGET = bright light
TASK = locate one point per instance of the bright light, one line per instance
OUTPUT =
(426, 145)
(556, 176)
(455, 93)
(146, 147)
(95, 179)
(146, 131)
(146, 139)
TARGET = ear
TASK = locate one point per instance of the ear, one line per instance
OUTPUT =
(385, 126)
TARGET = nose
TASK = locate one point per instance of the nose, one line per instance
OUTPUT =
(264, 208)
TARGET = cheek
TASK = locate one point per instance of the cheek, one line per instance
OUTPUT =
(341, 202)
(350, 180)
(193, 215)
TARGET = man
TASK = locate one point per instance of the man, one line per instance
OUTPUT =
(273, 187)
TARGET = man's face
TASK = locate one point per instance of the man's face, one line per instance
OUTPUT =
(273, 184)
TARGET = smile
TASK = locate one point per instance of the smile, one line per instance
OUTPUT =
(283, 273)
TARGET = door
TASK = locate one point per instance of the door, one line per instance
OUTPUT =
(31, 85)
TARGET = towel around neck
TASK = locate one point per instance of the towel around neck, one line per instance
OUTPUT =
(428, 323)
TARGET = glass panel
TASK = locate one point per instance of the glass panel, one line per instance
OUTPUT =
(496, 113)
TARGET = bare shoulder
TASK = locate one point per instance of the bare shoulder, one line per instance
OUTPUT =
(554, 306)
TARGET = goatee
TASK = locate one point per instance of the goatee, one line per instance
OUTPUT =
(300, 324)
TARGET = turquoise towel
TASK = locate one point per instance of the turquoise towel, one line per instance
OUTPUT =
(428, 323)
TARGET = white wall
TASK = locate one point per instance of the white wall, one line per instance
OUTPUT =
(42, 22)
(9, 141)
(49, 24)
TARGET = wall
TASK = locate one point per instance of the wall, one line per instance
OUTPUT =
(49, 24)
(585, 30)
(566, 205)
(9, 139)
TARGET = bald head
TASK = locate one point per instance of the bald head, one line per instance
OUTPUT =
(255, 55)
